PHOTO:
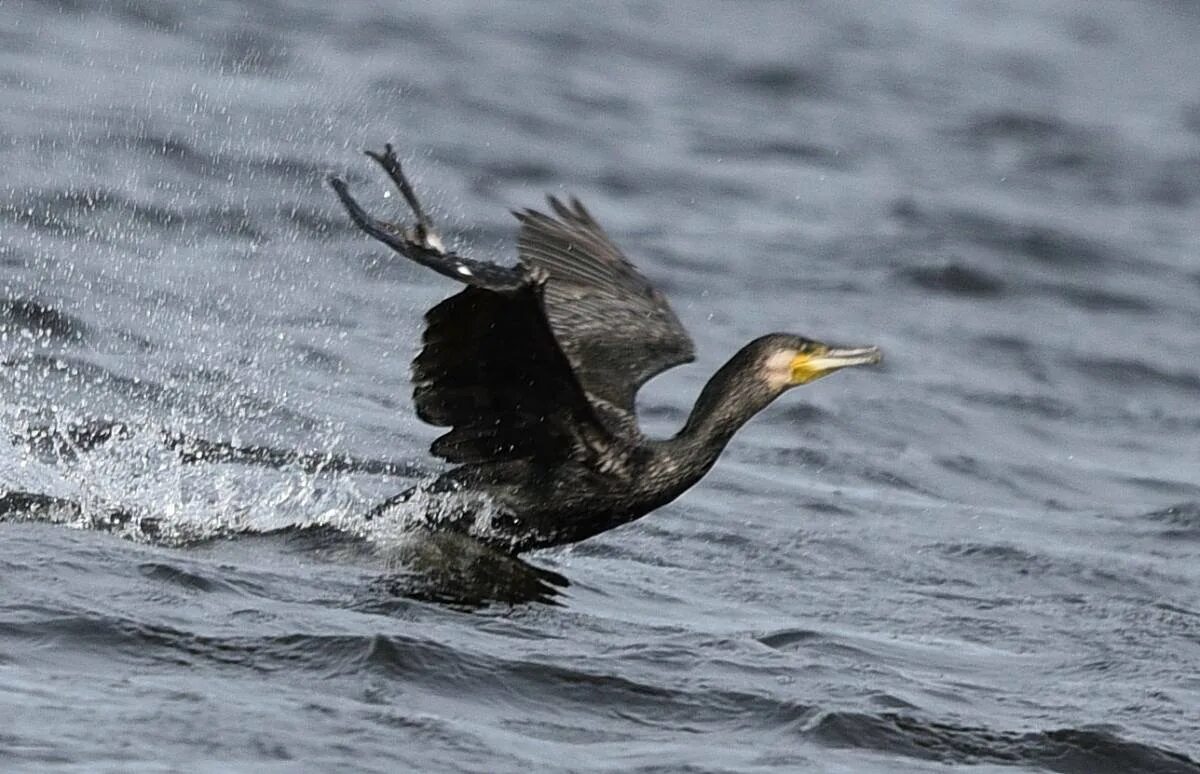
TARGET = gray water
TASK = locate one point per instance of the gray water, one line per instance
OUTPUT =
(981, 556)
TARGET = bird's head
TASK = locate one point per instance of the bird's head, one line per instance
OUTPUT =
(760, 372)
(790, 361)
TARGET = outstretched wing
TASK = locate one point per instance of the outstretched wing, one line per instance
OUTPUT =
(537, 361)
(614, 327)
(492, 370)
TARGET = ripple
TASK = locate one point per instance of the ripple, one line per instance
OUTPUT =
(1042, 243)
(789, 149)
(784, 639)
(178, 576)
(249, 51)
(1174, 183)
(1023, 561)
(1130, 372)
(93, 375)
(789, 457)
(1041, 406)
(1023, 127)
(1179, 520)
(320, 359)
(40, 320)
(1096, 299)
(782, 80)
(142, 13)
(1190, 117)
(174, 149)
(1045, 244)
(955, 279)
(66, 443)
(1067, 750)
(72, 213)
(523, 171)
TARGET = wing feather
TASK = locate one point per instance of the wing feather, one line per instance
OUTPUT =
(492, 371)
(614, 327)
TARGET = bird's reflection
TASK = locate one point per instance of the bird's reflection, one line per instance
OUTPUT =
(459, 570)
(442, 567)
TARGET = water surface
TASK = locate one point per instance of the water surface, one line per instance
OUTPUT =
(982, 556)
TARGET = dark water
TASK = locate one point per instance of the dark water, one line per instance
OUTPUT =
(982, 556)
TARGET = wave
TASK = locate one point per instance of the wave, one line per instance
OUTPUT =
(1067, 750)
(38, 320)
(586, 690)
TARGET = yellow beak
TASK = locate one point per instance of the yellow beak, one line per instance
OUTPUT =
(822, 360)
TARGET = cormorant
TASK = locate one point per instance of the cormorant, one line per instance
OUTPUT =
(534, 367)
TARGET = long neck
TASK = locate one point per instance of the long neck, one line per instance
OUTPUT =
(732, 396)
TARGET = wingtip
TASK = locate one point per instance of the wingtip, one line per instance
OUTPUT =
(581, 212)
(529, 214)
(559, 208)
(571, 211)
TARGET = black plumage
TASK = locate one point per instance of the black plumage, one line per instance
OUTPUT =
(535, 368)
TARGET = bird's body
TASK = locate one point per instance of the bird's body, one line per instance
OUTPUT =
(535, 368)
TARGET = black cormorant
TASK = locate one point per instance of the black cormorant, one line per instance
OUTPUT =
(534, 367)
